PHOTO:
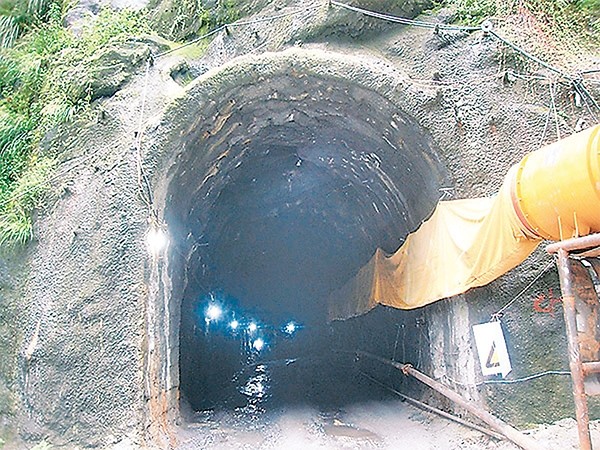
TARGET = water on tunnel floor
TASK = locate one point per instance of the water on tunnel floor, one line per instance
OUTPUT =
(389, 424)
(296, 363)
(304, 389)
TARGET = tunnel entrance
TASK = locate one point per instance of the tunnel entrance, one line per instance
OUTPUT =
(283, 190)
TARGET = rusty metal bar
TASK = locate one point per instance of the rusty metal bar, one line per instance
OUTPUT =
(437, 411)
(514, 435)
(591, 367)
(580, 243)
(581, 408)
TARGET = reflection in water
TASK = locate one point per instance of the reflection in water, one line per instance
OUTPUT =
(242, 358)
(257, 389)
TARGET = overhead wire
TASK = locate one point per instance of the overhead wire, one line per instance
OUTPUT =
(553, 106)
(580, 84)
(143, 183)
(529, 55)
(486, 27)
(142, 177)
(237, 24)
(546, 124)
(406, 21)
(584, 97)
(497, 315)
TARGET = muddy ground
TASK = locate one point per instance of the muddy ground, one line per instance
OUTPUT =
(391, 424)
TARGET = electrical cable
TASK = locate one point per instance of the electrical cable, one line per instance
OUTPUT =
(142, 176)
(498, 315)
(553, 105)
(237, 24)
(193, 41)
(584, 94)
(442, 26)
(546, 124)
(145, 190)
(529, 378)
(587, 93)
(529, 55)
(513, 381)
(406, 21)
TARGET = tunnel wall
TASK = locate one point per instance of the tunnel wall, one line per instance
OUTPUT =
(93, 302)
(447, 342)
(461, 129)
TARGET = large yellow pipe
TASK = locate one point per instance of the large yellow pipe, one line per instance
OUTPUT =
(553, 193)
(556, 190)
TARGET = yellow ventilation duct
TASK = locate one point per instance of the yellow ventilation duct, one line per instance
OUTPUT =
(553, 193)
(556, 190)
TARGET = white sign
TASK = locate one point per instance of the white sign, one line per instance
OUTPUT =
(491, 348)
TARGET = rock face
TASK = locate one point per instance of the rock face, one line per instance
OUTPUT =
(95, 359)
(86, 10)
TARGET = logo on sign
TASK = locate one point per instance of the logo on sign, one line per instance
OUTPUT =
(493, 360)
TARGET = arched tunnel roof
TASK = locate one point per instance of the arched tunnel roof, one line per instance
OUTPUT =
(285, 185)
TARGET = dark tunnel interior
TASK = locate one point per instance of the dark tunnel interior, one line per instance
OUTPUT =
(280, 194)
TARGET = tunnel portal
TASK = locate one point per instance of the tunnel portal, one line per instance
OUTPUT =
(283, 189)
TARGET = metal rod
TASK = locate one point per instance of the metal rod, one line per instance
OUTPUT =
(437, 411)
(581, 407)
(589, 241)
(591, 367)
(511, 433)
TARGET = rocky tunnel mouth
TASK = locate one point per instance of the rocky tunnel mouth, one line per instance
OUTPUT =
(283, 189)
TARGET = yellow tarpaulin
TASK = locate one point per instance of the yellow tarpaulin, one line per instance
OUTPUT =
(469, 243)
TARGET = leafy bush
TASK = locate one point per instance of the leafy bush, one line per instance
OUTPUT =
(16, 16)
(564, 20)
(48, 76)
(35, 97)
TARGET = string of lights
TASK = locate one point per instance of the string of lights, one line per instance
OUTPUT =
(219, 316)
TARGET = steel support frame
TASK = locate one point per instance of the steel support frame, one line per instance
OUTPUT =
(577, 367)
(577, 374)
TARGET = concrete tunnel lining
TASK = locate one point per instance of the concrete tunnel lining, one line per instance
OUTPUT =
(283, 188)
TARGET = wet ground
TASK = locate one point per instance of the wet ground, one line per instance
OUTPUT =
(388, 424)
(291, 404)
(294, 393)
(297, 404)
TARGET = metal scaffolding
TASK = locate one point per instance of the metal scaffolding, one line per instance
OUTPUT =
(579, 272)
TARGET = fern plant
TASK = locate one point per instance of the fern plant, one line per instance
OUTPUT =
(17, 15)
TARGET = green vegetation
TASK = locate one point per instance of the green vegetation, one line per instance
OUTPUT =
(16, 16)
(46, 78)
(577, 20)
(182, 20)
